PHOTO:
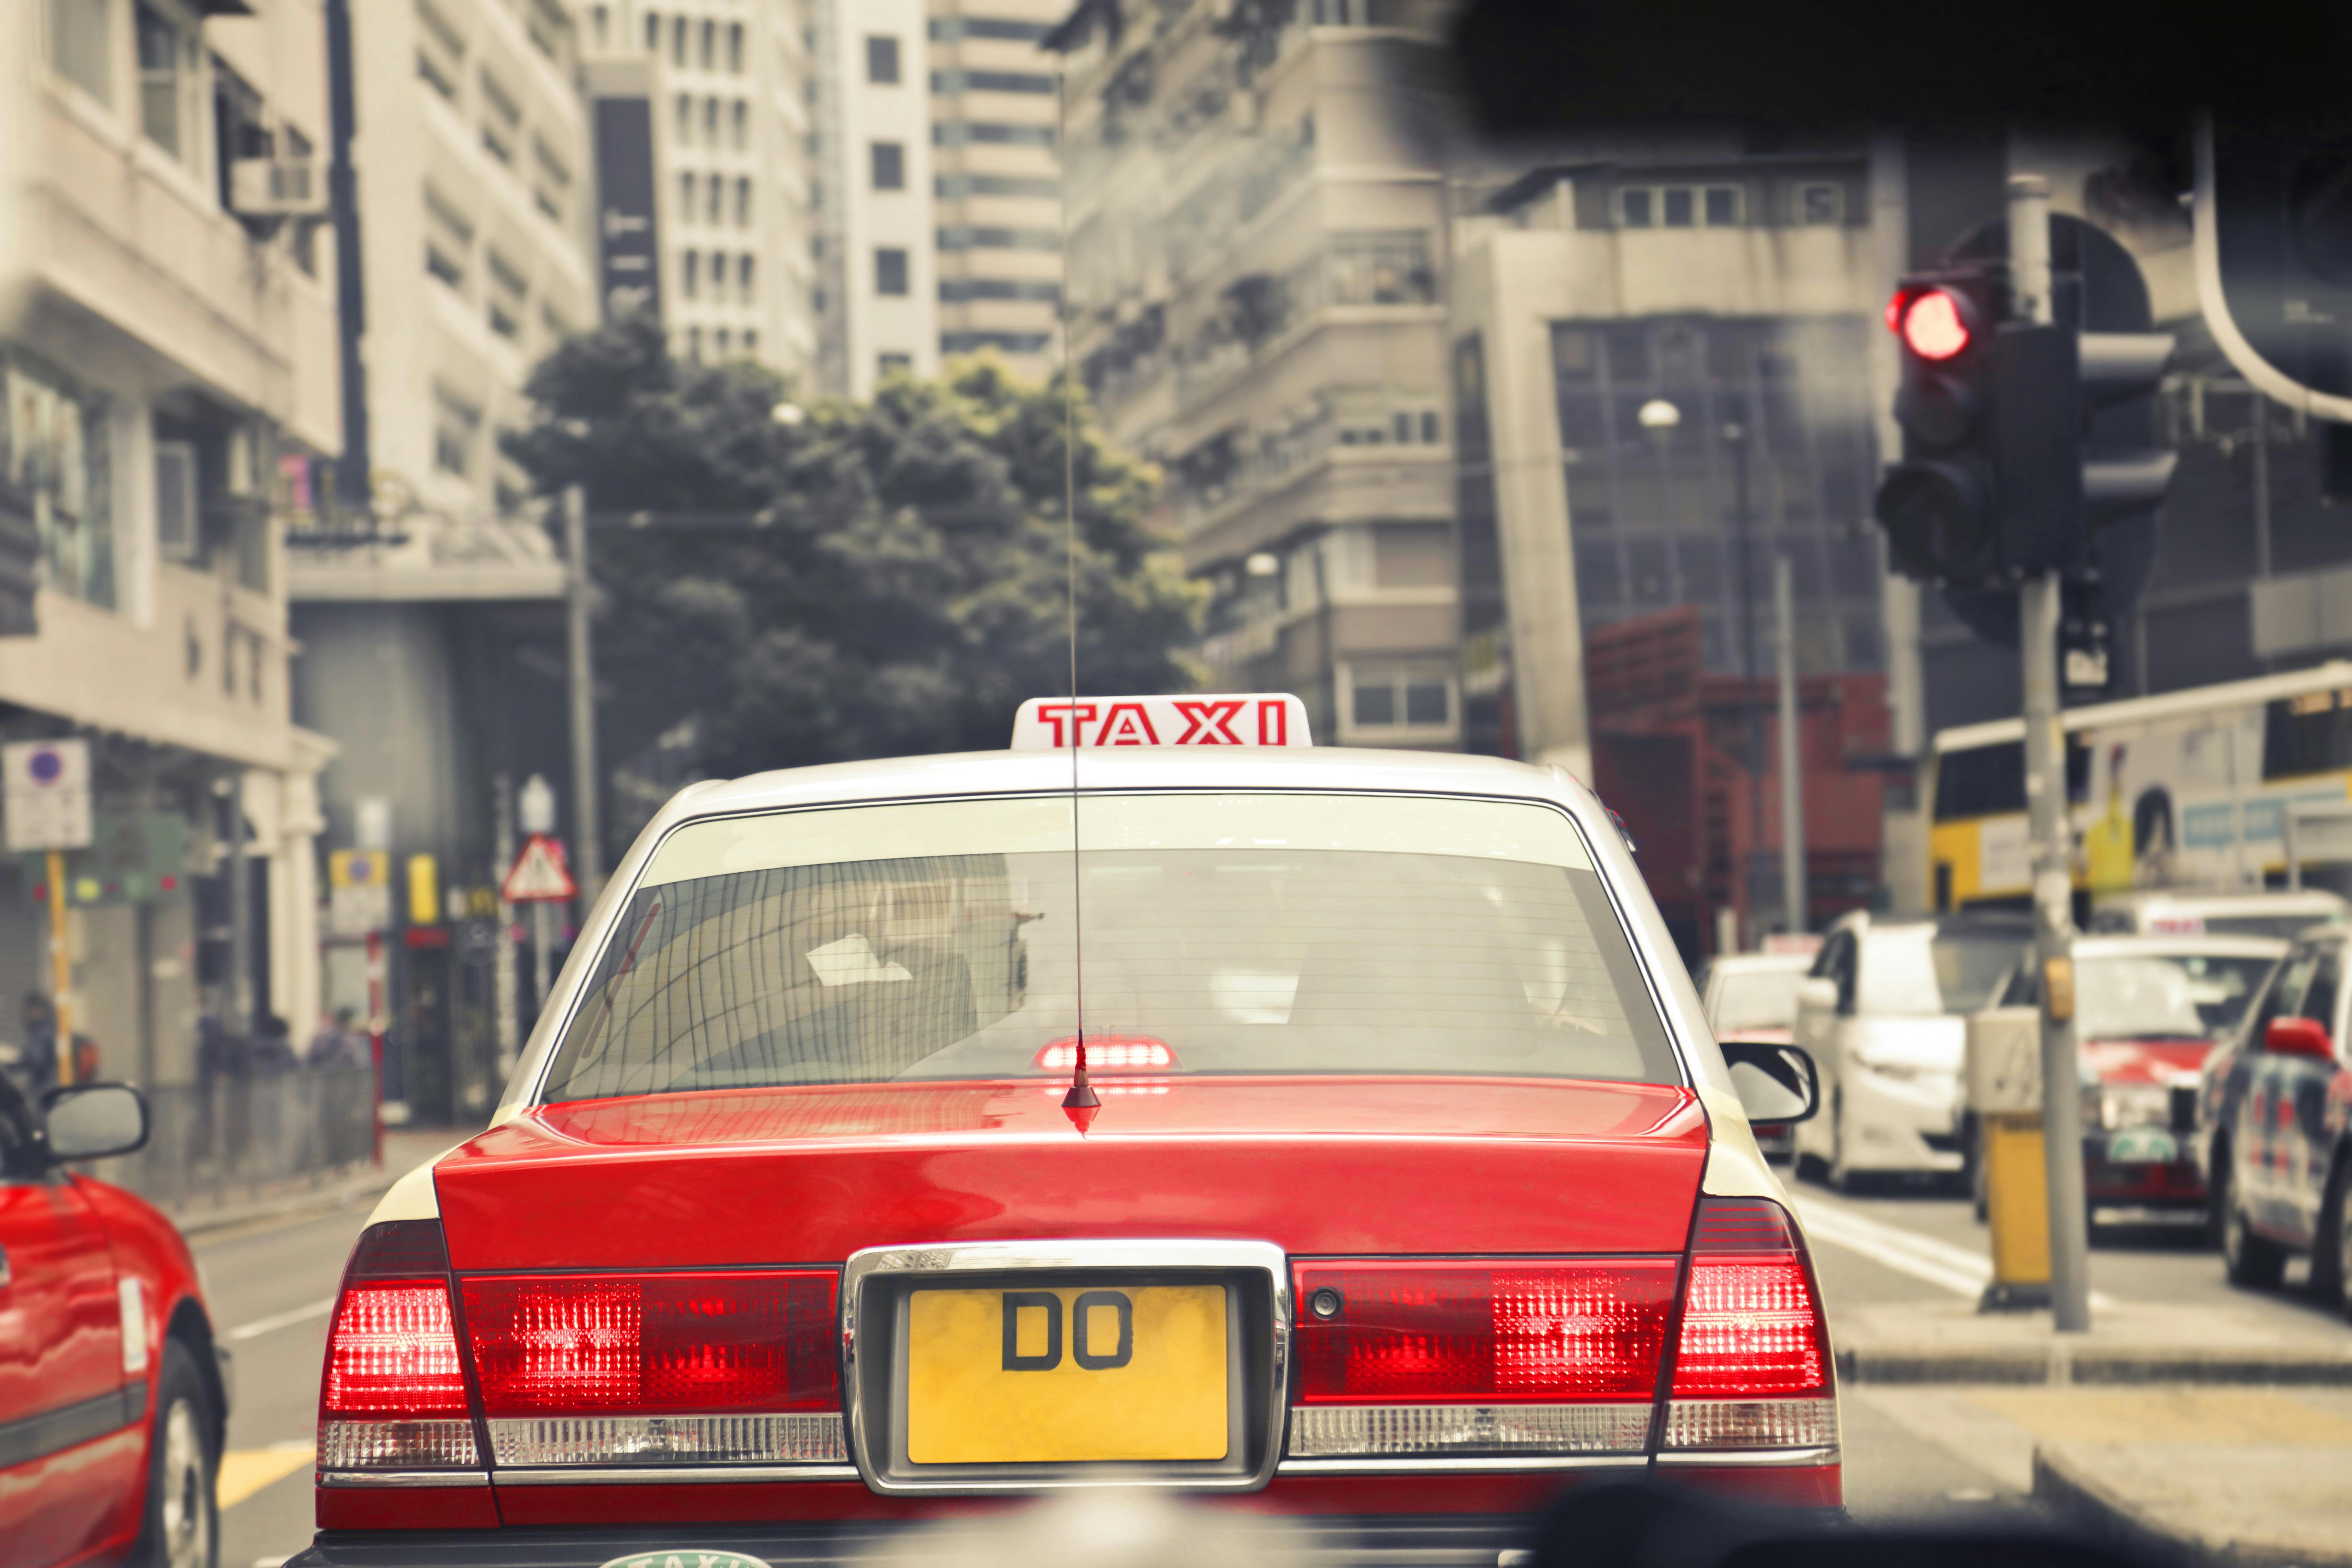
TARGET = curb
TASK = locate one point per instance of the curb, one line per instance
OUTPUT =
(2064, 1483)
(2110, 1365)
(318, 1198)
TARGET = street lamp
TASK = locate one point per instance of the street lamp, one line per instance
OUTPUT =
(788, 414)
(1660, 415)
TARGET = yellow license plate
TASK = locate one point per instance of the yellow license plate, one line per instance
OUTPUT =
(1065, 1376)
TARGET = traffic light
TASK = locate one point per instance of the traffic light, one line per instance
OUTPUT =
(1940, 506)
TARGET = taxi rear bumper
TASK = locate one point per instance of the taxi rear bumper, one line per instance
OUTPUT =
(1445, 1541)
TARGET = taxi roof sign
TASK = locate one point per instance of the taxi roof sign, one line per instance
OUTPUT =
(1250, 718)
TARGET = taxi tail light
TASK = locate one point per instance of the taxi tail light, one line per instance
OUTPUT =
(658, 1368)
(1108, 1053)
(1462, 1357)
(392, 1397)
(1752, 1363)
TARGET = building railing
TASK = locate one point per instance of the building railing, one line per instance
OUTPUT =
(1387, 421)
(1377, 267)
(232, 1139)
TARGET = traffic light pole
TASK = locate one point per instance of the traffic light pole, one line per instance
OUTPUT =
(2046, 808)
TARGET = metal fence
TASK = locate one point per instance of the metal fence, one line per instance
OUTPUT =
(231, 1140)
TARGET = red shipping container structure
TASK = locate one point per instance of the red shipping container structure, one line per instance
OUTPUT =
(1671, 750)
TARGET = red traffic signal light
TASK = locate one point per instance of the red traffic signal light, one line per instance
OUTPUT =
(1934, 323)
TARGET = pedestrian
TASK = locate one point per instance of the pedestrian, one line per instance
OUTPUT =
(37, 1063)
(338, 1043)
(273, 1047)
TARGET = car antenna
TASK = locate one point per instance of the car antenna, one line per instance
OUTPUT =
(1081, 1104)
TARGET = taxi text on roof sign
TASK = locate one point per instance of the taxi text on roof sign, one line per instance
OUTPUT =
(1059, 723)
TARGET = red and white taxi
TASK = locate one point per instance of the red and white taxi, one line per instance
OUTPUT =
(1397, 1183)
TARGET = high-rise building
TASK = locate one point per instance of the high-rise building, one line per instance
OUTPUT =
(167, 333)
(996, 179)
(732, 88)
(877, 240)
(1257, 265)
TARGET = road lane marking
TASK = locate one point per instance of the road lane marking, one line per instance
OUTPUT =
(260, 1326)
(1959, 1269)
(245, 1471)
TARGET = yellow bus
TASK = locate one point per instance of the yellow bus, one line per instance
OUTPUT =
(2188, 789)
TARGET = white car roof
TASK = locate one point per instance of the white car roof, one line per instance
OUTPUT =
(2165, 944)
(1759, 962)
(2250, 903)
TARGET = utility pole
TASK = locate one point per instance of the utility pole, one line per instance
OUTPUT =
(587, 858)
(1735, 435)
(2046, 808)
(1792, 766)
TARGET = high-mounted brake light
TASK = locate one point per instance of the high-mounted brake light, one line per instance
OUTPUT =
(1510, 1356)
(658, 1368)
(1752, 1366)
(393, 1395)
(1108, 1053)
(1932, 323)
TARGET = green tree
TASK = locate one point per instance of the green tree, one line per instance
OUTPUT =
(877, 579)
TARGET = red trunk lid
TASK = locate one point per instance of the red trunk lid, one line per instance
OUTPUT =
(1317, 1166)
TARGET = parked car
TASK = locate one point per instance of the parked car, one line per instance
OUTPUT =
(2275, 1125)
(2148, 1010)
(2280, 914)
(1752, 996)
(113, 1398)
(1883, 1012)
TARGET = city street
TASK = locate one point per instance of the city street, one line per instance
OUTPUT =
(1946, 1454)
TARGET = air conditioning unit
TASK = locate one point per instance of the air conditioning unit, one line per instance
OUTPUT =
(277, 187)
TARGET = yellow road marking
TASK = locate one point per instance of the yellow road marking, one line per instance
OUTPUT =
(245, 1471)
(2223, 1415)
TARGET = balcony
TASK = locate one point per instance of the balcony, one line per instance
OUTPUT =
(1199, 229)
(1260, 310)
(1223, 476)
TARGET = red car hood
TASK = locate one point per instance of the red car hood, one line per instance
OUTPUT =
(2145, 1061)
(1318, 1165)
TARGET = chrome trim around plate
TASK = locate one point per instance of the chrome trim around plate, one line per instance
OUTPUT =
(984, 1256)
(641, 1475)
(404, 1478)
(1825, 1455)
(1488, 1464)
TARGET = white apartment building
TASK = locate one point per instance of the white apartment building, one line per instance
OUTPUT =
(874, 181)
(996, 172)
(732, 86)
(471, 151)
(167, 346)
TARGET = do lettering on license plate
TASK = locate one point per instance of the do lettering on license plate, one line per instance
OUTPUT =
(1071, 1374)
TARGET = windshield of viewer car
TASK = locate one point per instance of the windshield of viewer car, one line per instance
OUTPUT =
(1923, 971)
(1247, 934)
(2168, 996)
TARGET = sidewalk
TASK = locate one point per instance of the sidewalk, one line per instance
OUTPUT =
(404, 1148)
(2184, 1430)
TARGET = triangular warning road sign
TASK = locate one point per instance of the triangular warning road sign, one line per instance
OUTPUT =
(539, 875)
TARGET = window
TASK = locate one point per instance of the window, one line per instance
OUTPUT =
(992, 81)
(448, 240)
(890, 272)
(967, 236)
(551, 190)
(743, 117)
(455, 422)
(953, 291)
(714, 208)
(747, 280)
(685, 197)
(1681, 206)
(953, 186)
(1381, 267)
(684, 106)
(719, 276)
(947, 29)
(751, 342)
(440, 53)
(552, 326)
(600, 21)
(690, 274)
(653, 32)
(167, 83)
(57, 443)
(1478, 941)
(501, 121)
(742, 202)
(882, 60)
(508, 288)
(1820, 205)
(240, 126)
(677, 40)
(1003, 342)
(721, 341)
(694, 344)
(958, 132)
(888, 365)
(81, 45)
(710, 122)
(735, 48)
(889, 166)
(710, 54)
(1415, 697)
(546, 25)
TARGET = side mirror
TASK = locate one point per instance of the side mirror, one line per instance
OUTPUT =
(92, 1122)
(2298, 1038)
(1819, 992)
(1775, 1083)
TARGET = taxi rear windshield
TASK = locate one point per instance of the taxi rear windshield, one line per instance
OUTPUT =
(1202, 933)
